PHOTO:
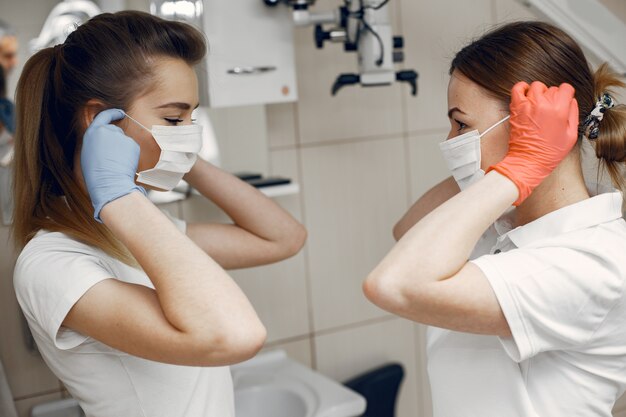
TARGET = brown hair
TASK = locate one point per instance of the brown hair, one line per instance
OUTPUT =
(108, 59)
(537, 51)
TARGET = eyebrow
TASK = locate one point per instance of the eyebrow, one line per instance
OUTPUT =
(453, 109)
(177, 105)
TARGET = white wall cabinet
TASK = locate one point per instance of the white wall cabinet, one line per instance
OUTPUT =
(251, 53)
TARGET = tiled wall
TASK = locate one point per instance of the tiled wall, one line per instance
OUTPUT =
(361, 159)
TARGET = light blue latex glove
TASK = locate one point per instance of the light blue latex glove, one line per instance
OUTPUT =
(108, 160)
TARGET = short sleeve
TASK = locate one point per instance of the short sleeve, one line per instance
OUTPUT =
(50, 276)
(553, 298)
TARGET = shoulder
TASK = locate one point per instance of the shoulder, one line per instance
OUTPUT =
(53, 262)
(49, 248)
(601, 247)
(584, 264)
(52, 273)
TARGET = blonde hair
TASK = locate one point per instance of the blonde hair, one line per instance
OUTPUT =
(105, 59)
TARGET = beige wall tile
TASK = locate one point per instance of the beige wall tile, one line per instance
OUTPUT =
(353, 194)
(426, 165)
(355, 111)
(26, 372)
(281, 124)
(278, 294)
(241, 134)
(284, 163)
(24, 406)
(433, 32)
(351, 352)
(299, 350)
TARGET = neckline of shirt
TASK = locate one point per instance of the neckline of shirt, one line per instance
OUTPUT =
(590, 212)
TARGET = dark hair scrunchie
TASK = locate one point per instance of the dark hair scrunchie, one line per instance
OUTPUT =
(591, 125)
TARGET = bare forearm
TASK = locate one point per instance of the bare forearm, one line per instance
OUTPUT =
(249, 209)
(432, 199)
(439, 245)
(195, 293)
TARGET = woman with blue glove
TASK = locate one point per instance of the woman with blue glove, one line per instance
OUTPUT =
(132, 309)
(515, 264)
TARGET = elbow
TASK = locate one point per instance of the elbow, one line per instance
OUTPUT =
(370, 290)
(246, 343)
(292, 244)
(233, 346)
(299, 239)
(251, 345)
(382, 291)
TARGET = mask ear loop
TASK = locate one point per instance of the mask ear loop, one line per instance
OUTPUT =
(496, 125)
(131, 118)
(127, 115)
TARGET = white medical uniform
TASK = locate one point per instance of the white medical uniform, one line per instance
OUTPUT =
(52, 273)
(560, 283)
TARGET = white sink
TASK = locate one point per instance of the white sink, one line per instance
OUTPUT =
(273, 385)
(267, 401)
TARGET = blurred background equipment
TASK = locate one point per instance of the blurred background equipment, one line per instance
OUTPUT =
(364, 27)
(64, 18)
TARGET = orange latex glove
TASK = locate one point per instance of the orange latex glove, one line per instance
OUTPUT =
(544, 128)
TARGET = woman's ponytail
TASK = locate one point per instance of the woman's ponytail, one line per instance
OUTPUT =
(610, 143)
(45, 191)
(32, 122)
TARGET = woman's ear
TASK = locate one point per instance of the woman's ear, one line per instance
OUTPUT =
(90, 111)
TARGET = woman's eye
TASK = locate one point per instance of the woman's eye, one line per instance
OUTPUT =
(461, 125)
(173, 121)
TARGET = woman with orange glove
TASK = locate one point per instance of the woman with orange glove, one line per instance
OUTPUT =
(520, 276)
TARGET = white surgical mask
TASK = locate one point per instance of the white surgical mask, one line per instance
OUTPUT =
(462, 155)
(179, 151)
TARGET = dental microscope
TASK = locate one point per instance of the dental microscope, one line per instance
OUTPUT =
(364, 27)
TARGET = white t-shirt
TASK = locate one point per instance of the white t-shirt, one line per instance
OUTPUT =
(52, 273)
(560, 283)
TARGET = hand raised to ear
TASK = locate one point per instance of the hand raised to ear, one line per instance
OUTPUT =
(544, 129)
(108, 160)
